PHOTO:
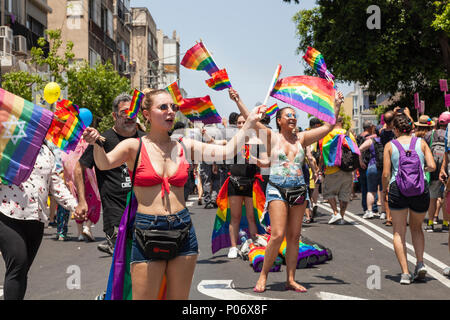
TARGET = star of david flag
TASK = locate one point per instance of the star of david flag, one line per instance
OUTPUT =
(23, 127)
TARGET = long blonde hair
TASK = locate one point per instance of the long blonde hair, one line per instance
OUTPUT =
(148, 101)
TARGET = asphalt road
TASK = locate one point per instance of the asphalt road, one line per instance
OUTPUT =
(364, 265)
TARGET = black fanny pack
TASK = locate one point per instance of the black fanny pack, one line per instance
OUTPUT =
(242, 183)
(294, 196)
(162, 244)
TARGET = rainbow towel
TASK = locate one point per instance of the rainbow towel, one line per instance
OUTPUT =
(332, 149)
(220, 236)
(200, 109)
(23, 128)
(219, 80)
(311, 94)
(175, 92)
(315, 59)
(272, 110)
(67, 128)
(135, 105)
(198, 58)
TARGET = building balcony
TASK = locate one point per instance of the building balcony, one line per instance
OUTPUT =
(96, 30)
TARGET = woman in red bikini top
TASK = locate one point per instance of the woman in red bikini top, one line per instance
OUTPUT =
(162, 171)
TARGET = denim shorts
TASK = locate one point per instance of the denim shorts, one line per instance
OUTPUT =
(178, 220)
(273, 193)
(373, 178)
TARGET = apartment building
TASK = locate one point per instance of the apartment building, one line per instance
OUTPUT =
(170, 59)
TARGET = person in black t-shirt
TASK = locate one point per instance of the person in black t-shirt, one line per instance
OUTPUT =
(113, 184)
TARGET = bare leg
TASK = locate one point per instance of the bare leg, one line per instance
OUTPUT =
(399, 231)
(236, 214)
(146, 279)
(180, 272)
(250, 217)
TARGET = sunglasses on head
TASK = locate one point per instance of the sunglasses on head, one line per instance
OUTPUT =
(166, 106)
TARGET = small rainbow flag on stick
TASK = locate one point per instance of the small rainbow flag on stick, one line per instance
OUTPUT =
(219, 80)
(315, 59)
(175, 92)
(198, 58)
(272, 110)
(200, 109)
(135, 105)
(310, 94)
(23, 126)
(275, 77)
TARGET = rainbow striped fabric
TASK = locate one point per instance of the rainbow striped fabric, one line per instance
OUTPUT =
(332, 148)
(135, 105)
(219, 80)
(311, 94)
(23, 128)
(198, 58)
(315, 59)
(200, 109)
(272, 110)
(67, 128)
(175, 92)
(220, 236)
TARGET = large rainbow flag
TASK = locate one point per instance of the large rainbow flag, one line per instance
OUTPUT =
(23, 127)
(219, 80)
(198, 58)
(315, 59)
(200, 109)
(67, 128)
(332, 148)
(220, 236)
(311, 94)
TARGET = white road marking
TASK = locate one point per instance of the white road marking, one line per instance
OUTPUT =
(224, 290)
(435, 274)
(189, 203)
(333, 296)
(1, 291)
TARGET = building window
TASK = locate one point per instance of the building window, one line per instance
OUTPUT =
(95, 13)
(35, 26)
(94, 57)
(74, 8)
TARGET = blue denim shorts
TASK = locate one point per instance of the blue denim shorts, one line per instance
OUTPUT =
(272, 193)
(175, 221)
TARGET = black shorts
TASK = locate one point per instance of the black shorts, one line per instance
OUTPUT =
(397, 201)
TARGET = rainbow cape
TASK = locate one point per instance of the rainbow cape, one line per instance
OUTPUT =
(67, 128)
(219, 80)
(175, 92)
(332, 148)
(315, 59)
(198, 58)
(311, 94)
(135, 105)
(23, 127)
(200, 109)
(272, 110)
(220, 236)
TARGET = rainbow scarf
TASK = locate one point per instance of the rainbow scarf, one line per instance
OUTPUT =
(272, 110)
(221, 236)
(135, 105)
(200, 109)
(219, 80)
(332, 148)
(315, 59)
(310, 94)
(23, 127)
(67, 128)
(198, 58)
(175, 92)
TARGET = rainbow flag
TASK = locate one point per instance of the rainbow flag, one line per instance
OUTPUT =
(315, 59)
(219, 80)
(198, 58)
(332, 148)
(23, 127)
(310, 94)
(135, 105)
(67, 128)
(272, 110)
(175, 92)
(220, 236)
(200, 109)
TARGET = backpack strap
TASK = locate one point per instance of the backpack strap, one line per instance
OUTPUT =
(134, 174)
(412, 144)
(398, 145)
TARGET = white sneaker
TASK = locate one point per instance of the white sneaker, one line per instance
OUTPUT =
(335, 218)
(87, 234)
(368, 215)
(383, 216)
(233, 253)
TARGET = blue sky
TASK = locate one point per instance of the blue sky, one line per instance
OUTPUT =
(247, 37)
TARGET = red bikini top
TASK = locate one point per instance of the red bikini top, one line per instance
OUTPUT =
(146, 175)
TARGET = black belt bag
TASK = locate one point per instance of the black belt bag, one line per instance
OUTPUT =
(162, 244)
(294, 196)
(242, 183)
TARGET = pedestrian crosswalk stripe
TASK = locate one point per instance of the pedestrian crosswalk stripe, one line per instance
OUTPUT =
(1, 291)
(223, 290)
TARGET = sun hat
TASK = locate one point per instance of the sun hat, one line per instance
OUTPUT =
(424, 121)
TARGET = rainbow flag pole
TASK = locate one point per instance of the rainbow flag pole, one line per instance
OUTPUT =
(273, 82)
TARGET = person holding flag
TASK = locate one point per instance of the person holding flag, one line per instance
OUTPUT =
(286, 193)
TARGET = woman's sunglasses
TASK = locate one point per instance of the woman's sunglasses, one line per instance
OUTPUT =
(173, 106)
(290, 115)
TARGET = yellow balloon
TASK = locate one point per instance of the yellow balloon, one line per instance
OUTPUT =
(52, 91)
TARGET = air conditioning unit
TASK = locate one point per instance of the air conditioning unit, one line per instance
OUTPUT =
(5, 46)
(127, 18)
(20, 44)
(7, 60)
(6, 32)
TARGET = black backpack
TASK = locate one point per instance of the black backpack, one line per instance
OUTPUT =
(349, 160)
(437, 146)
(379, 153)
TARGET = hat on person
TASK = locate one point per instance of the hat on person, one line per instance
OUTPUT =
(424, 121)
(444, 118)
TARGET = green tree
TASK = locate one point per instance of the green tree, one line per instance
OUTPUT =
(408, 54)
(20, 83)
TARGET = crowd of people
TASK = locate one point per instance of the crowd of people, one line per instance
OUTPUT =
(400, 167)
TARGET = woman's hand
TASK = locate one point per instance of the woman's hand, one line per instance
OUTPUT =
(233, 95)
(256, 114)
(338, 101)
(91, 135)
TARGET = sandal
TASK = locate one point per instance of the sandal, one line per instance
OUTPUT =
(388, 223)
(307, 220)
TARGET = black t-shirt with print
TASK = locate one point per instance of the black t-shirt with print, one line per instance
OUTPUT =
(113, 184)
